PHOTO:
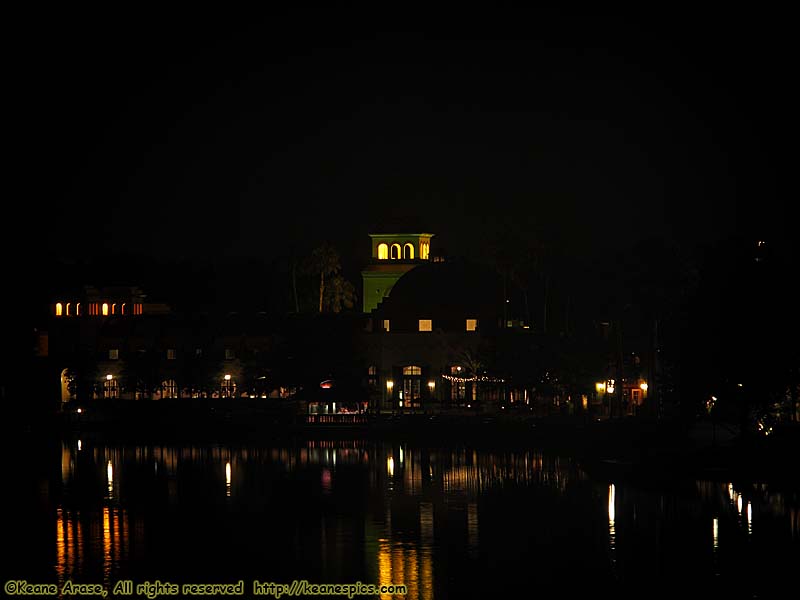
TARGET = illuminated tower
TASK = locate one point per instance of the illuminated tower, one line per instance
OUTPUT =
(393, 255)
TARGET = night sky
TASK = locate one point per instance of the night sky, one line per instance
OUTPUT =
(204, 134)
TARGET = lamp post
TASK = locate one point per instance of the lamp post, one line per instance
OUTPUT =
(643, 386)
(389, 388)
(600, 388)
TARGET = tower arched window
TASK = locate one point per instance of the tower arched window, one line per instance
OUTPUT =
(68, 308)
(59, 309)
(408, 251)
(383, 251)
(396, 251)
(105, 309)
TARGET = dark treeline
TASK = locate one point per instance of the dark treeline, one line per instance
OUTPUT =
(711, 316)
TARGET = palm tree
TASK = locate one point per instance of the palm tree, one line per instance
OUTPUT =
(339, 294)
(324, 261)
(517, 258)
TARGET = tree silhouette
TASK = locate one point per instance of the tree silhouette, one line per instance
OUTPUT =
(339, 294)
(324, 262)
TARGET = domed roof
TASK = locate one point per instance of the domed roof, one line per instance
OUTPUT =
(451, 285)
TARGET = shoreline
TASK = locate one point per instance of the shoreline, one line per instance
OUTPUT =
(629, 448)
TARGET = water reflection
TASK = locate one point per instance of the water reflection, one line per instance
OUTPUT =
(472, 529)
(715, 529)
(612, 529)
(110, 479)
(90, 544)
(432, 518)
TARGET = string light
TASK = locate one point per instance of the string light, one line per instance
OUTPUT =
(484, 378)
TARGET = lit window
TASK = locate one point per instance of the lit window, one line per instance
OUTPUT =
(386, 324)
(229, 354)
(68, 305)
(472, 324)
(78, 309)
(456, 370)
(110, 388)
(169, 389)
(425, 325)
(383, 251)
(105, 309)
(228, 387)
(458, 391)
(412, 370)
(113, 354)
(408, 251)
(171, 354)
(423, 250)
(372, 377)
(114, 308)
(59, 309)
(395, 250)
(122, 309)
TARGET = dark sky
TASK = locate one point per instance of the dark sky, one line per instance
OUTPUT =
(195, 134)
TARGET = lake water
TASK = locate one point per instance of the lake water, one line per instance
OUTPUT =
(447, 521)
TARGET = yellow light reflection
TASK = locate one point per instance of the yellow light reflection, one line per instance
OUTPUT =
(384, 565)
(749, 517)
(612, 530)
(69, 546)
(106, 543)
(739, 504)
(611, 498)
(110, 477)
(716, 534)
(399, 569)
(426, 574)
(390, 466)
(228, 478)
